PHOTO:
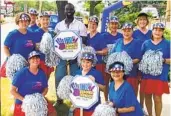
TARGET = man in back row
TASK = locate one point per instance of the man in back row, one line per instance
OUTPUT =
(69, 23)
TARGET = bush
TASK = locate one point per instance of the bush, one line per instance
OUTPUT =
(167, 34)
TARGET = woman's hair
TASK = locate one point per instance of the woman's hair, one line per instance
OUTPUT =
(18, 16)
(142, 16)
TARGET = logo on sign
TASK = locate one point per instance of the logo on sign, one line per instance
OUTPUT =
(67, 43)
(83, 90)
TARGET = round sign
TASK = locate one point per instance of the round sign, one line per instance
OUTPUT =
(67, 44)
(84, 92)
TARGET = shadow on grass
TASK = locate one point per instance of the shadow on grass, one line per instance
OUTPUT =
(62, 109)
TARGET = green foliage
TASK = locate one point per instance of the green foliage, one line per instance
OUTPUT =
(78, 14)
(167, 34)
(99, 8)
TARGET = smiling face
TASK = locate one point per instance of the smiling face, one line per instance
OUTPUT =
(157, 33)
(86, 64)
(92, 26)
(23, 24)
(34, 61)
(44, 21)
(142, 21)
(69, 11)
(33, 18)
(127, 33)
(113, 26)
(117, 75)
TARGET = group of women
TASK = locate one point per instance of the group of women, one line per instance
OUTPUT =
(122, 90)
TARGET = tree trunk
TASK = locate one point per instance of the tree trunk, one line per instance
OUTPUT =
(61, 8)
(92, 6)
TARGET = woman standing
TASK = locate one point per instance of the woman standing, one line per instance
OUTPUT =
(30, 80)
(142, 33)
(132, 47)
(156, 86)
(97, 41)
(20, 41)
(111, 38)
(33, 15)
(121, 94)
(44, 22)
(88, 59)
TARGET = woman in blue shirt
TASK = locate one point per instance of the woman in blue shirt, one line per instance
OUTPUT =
(142, 33)
(133, 49)
(30, 80)
(156, 86)
(87, 61)
(33, 15)
(20, 41)
(44, 22)
(121, 93)
(111, 38)
(97, 41)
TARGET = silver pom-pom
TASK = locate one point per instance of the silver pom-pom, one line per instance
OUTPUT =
(109, 47)
(152, 63)
(104, 110)
(120, 57)
(52, 58)
(34, 105)
(14, 64)
(46, 43)
(87, 49)
(63, 89)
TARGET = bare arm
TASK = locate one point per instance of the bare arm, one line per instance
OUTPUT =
(15, 93)
(101, 87)
(125, 110)
(45, 91)
(135, 61)
(6, 51)
(102, 52)
(167, 61)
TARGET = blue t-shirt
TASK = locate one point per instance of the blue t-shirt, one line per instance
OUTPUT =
(19, 43)
(28, 83)
(110, 39)
(133, 49)
(33, 27)
(38, 35)
(98, 43)
(124, 96)
(98, 79)
(164, 47)
(137, 34)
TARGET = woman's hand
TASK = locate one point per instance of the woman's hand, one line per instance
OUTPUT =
(15, 93)
(92, 78)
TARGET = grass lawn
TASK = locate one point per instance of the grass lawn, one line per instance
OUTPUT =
(7, 100)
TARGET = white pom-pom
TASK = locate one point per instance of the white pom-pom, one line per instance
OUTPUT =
(46, 43)
(109, 47)
(14, 64)
(152, 63)
(34, 105)
(51, 58)
(104, 110)
(63, 89)
(87, 49)
(120, 57)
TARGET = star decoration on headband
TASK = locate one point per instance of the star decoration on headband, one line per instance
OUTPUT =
(158, 25)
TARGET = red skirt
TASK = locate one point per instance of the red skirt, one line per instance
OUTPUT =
(151, 86)
(85, 113)
(18, 110)
(102, 68)
(134, 82)
(46, 69)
